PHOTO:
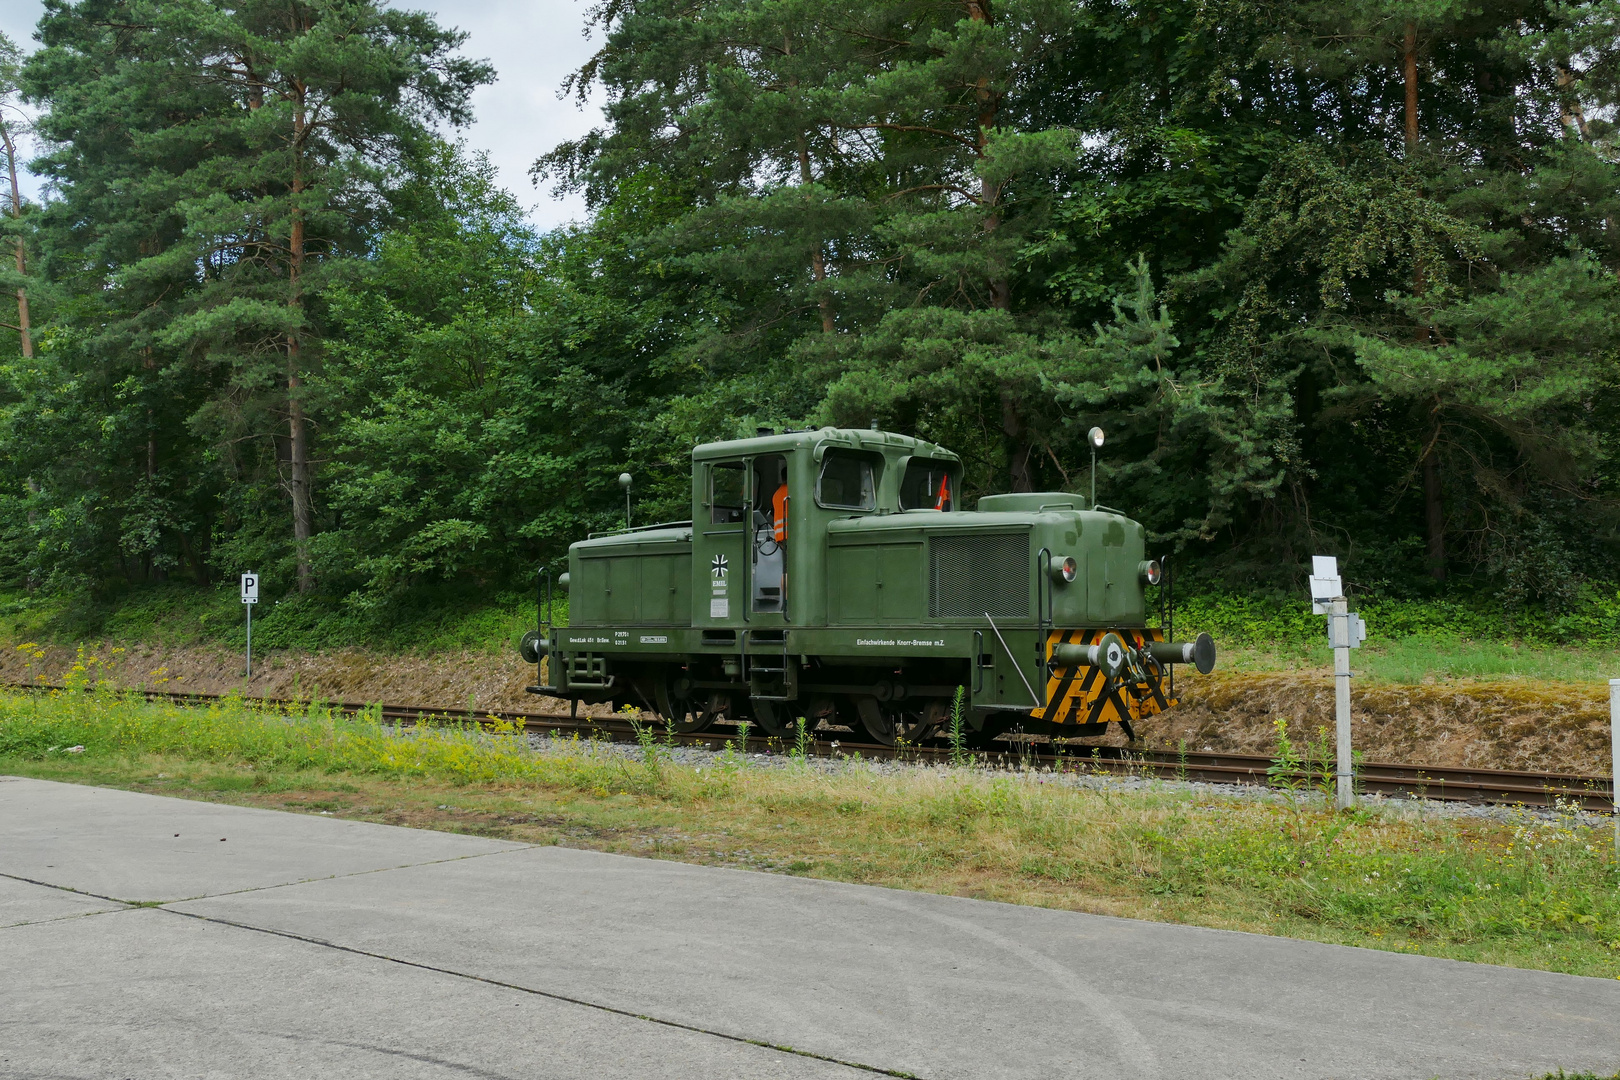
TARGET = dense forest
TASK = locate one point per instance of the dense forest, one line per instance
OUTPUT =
(1334, 276)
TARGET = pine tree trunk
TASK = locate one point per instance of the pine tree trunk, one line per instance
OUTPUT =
(1410, 76)
(1434, 513)
(1019, 447)
(298, 427)
(149, 364)
(1569, 104)
(989, 192)
(818, 258)
(23, 329)
(1434, 509)
(1409, 70)
(1018, 444)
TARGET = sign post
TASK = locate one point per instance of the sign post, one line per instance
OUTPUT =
(1614, 753)
(1346, 631)
(250, 596)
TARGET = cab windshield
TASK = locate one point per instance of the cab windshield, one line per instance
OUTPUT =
(928, 485)
(846, 482)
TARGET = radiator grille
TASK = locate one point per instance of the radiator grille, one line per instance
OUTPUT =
(972, 576)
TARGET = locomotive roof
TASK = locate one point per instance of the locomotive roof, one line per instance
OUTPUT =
(883, 442)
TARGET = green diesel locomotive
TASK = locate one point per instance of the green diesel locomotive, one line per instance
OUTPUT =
(831, 575)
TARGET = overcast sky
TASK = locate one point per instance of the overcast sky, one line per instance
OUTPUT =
(533, 44)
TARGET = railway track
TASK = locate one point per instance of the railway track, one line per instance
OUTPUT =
(1442, 782)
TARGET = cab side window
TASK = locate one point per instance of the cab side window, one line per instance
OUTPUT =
(846, 482)
(928, 485)
(726, 492)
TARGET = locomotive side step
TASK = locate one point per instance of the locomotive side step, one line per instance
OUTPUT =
(772, 676)
(587, 671)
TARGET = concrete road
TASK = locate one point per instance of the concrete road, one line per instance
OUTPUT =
(285, 944)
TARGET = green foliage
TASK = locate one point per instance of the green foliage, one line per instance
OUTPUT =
(1259, 620)
(426, 619)
(1309, 320)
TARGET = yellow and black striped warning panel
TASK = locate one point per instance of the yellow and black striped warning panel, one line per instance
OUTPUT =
(1083, 695)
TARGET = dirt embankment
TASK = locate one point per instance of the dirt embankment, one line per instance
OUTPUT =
(446, 680)
(1503, 724)
(1509, 724)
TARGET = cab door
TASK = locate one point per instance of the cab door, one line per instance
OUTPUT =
(720, 540)
(768, 559)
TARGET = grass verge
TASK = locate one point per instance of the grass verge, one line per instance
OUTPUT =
(1530, 892)
(1412, 661)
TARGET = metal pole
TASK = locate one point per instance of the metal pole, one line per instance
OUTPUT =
(250, 640)
(1094, 476)
(1614, 751)
(1339, 615)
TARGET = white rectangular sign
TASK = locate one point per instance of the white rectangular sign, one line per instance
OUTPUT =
(250, 588)
(1325, 581)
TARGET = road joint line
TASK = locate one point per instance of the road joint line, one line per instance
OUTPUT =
(565, 998)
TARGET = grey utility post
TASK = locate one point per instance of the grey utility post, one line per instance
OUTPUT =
(1614, 757)
(250, 596)
(1095, 438)
(1346, 631)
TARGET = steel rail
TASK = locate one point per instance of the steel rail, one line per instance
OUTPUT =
(1448, 783)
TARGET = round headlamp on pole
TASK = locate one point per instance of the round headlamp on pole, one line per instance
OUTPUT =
(1065, 570)
(1151, 571)
(1095, 437)
(624, 482)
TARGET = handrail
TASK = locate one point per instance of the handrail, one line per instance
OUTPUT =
(639, 528)
(750, 531)
(977, 681)
(1032, 696)
(1043, 622)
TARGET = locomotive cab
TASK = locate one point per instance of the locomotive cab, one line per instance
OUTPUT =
(831, 576)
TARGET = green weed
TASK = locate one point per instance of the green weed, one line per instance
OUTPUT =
(958, 736)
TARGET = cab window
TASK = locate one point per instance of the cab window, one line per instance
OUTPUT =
(846, 482)
(726, 492)
(928, 485)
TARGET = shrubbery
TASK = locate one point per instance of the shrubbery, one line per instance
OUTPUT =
(1594, 620)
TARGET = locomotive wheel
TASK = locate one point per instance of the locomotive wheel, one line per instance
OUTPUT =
(888, 722)
(700, 715)
(690, 715)
(776, 718)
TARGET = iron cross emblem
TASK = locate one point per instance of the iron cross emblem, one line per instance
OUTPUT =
(717, 566)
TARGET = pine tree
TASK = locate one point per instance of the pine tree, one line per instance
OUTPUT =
(851, 158)
(274, 168)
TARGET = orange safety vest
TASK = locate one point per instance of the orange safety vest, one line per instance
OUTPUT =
(944, 492)
(779, 502)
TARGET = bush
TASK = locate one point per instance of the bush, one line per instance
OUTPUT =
(1237, 619)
